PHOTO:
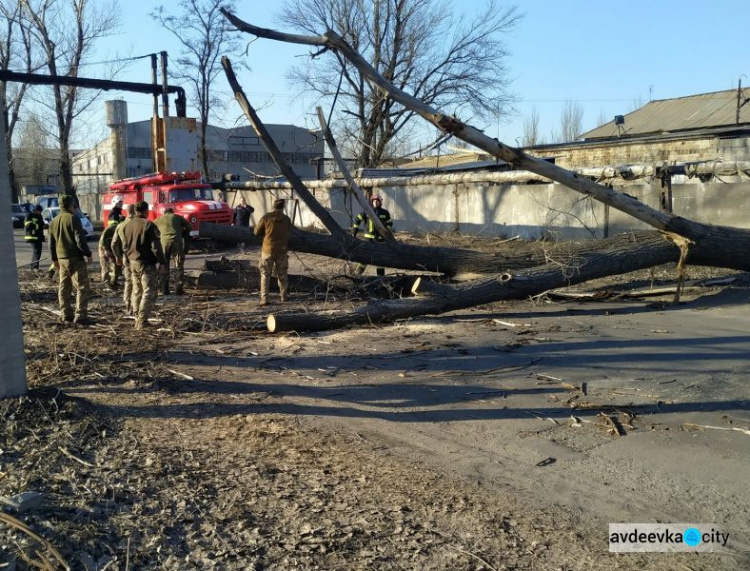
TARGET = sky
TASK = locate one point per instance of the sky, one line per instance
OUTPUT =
(608, 56)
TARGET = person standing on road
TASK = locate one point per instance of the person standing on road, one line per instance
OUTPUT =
(275, 227)
(69, 251)
(242, 218)
(141, 246)
(127, 290)
(34, 234)
(242, 213)
(173, 229)
(371, 234)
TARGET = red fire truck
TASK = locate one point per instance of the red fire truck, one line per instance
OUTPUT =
(184, 192)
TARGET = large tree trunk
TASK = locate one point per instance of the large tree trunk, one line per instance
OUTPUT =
(457, 262)
(619, 257)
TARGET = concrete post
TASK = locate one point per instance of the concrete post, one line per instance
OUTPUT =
(12, 358)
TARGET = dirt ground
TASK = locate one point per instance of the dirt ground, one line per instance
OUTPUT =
(505, 436)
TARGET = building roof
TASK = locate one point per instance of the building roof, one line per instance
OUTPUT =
(703, 111)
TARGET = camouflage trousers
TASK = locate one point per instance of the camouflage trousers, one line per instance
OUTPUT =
(276, 266)
(127, 291)
(173, 249)
(110, 270)
(143, 279)
(73, 274)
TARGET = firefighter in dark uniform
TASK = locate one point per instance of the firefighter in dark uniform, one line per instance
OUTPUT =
(115, 215)
(371, 233)
(34, 230)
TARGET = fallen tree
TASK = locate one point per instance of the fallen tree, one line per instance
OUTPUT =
(697, 243)
(622, 256)
(715, 238)
(458, 262)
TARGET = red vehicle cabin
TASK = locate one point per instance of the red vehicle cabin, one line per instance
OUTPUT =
(184, 192)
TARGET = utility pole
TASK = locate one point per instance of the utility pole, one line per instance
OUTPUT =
(159, 126)
(155, 81)
(741, 101)
(164, 97)
(739, 96)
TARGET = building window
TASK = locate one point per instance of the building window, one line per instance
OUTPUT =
(139, 153)
(244, 141)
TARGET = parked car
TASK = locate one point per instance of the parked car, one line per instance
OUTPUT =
(49, 213)
(17, 215)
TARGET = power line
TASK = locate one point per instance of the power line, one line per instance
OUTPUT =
(121, 60)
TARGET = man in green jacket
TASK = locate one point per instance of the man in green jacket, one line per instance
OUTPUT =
(69, 251)
(173, 229)
(140, 244)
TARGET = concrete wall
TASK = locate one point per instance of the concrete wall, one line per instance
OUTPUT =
(529, 210)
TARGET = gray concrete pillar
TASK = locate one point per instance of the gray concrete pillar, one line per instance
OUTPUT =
(12, 358)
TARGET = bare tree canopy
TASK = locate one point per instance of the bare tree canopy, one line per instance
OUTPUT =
(205, 36)
(571, 121)
(418, 45)
(32, 153)
(65, 33)
(15, 54)
(531, 135)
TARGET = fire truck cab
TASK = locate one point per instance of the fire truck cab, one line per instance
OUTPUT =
(184, 192)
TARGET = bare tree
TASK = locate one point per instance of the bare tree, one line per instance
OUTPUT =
(531, 135)
(205, 37)
(419, 46)
(571, 121)
(15, 55)
(65, 32)
(34, 157)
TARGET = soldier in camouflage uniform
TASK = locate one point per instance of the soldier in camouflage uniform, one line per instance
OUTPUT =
(127, 291)
(69, 251)
(173, 229)
(109, 269)
(275, 227)
(140, 244)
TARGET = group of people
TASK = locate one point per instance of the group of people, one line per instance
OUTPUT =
(141, 251)
(131, 246)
